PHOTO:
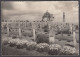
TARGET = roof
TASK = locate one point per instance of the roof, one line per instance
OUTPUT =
(47, 14)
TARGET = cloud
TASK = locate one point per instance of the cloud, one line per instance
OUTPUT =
(6, 5)
(40, 7)
(20, 6)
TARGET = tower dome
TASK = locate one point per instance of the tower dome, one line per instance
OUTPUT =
(47, 16)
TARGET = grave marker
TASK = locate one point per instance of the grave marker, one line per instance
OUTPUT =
(34, 36)
(33, 28)
(19, 30)
(51, 33)
(7, 28)
(74, 39)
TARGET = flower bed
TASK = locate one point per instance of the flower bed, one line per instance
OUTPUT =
(54, 49)
(12, 42)
(42, 47)
(67, 50)
(31, 45)
(21, 43)
(42, 38)
(6, 40)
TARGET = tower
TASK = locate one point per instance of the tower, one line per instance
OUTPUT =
(63, 16)
(46, 16)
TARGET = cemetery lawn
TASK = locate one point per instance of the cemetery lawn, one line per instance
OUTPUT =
(13, 51)
(61, 40)
(67, 40)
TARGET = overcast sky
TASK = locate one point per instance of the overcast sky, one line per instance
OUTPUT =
(38, 8)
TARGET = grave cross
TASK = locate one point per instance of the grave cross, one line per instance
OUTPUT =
(19, 29)
(74, 39)
(33, 28)
(51, 33)
(7, 28)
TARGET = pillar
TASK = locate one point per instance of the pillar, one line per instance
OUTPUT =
(63, 16)
(51, 34)
(25, 24)
(49, 29)
(34, 34)
(71, 29)
(33, 28)
(19, 30)
(74, 39)
(40, 26)
(7, 29)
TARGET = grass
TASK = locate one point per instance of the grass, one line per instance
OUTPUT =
(67, 38)
(13, 51)
(7, 50)
(62, 40)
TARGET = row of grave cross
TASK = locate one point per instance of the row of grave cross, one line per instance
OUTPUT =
(26, 24)
(34, 27)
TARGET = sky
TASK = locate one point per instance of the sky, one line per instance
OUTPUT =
(38, 8)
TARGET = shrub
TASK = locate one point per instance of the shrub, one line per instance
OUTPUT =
(6, 40)
(69, 45)
(20, 46)
(21, 43)
(67, 50)
(12, 42)
(42, 38)
(31, 45)
(45, 28)
(28, 33)
(42, 47)
(15, 36)
(54, 49)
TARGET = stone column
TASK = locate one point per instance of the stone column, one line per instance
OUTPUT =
(25, 24)
(74, 39)
(33, 28)
(40, 26)
(34, 34)
(49, 28)
(71, 28)
(7, 29)
(61, 29)
(19, 30)
(51, 34)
